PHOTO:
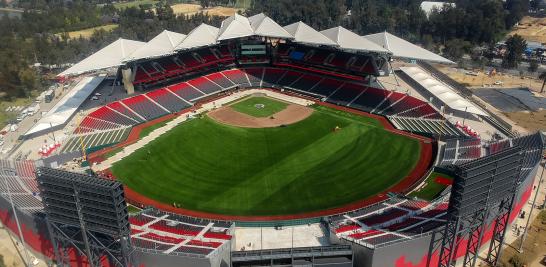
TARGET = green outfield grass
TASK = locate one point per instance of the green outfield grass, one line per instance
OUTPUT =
(206, 166)
(432, 189)
(248, 106)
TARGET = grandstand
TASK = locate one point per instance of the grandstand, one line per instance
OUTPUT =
(406, 112)
(171, 233)
(176, 74)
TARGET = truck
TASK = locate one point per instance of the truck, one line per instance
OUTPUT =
(49, 95)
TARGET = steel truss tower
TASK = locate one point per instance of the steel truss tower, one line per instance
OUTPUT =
(483, 190)
(86, 214)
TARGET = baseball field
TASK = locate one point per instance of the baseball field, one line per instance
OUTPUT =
(327, 160)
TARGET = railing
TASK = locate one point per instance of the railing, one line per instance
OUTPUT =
(338, 250)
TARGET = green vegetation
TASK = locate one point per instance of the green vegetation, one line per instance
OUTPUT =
(432, 188)
(307, 166)
(244, 4)
(6, 117)
(250, 107)
(88, 33)
(137, 3)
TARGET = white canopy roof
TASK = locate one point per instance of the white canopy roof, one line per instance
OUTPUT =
(263, 25)
(67, 106)
(110, 56)
(349, 40)
(235, 26)
(203, 35)
(443, 92)
(403, 49)
(163, 44)
(303, 33)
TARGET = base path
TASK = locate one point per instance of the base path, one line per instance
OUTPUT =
(291, 114)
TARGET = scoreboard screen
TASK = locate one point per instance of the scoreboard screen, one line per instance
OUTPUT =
(252, 50)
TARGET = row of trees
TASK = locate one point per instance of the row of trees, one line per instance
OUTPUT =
(475, 22)
(39, 35)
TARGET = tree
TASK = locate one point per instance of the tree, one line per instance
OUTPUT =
(533, 66)
(455, 49)
(516, 261)
(515, 46)
(542, 76)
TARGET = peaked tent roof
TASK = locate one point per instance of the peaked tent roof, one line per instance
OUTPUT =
(235, 26)
(303, 33)
(110, 56)
(163, 44)
(403, 49)
(203, 35)
(442, 91)
(349, 40)
(263, 25)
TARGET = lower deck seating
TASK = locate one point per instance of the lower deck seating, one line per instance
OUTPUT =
(107, 114)
(144, 107)
(369, 100)
(383, 217)
(117, 106)
(271, 76)
(306, 82)
(237, 77)
(327, 86)
(205, 85)
(172, 233)
(173, 98)
(289, 77)
(255, 76)
(168, 100)
(185, 91)
(220, 79)
(428, 126)
(346, 94)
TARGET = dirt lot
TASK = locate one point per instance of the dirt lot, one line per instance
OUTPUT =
(185, 8)
(189, 9)
(483, 80)
(533, 121)
(531, 29)
(534, 247)
(291, 114)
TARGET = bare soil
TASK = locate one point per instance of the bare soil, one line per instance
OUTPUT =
(531, 29)
(483, 80)
(291, 114)
(190, 9)
(533, 121)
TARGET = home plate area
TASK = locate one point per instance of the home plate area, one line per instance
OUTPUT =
(256, 115)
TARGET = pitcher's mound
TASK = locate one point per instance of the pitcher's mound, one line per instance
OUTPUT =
(291, 114)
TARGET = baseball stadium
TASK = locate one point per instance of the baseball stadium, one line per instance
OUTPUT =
(256, 144)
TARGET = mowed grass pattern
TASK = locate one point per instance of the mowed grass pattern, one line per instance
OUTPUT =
(248, 106)
(206, 166)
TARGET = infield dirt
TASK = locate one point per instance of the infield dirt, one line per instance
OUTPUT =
(290, 115)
